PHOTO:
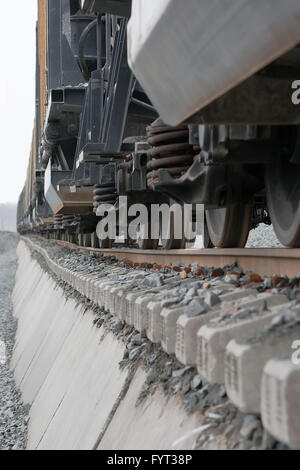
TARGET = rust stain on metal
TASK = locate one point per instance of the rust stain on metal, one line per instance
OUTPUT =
(42, 57)
(266, 262)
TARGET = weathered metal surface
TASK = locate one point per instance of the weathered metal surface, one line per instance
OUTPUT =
(114, 7)
(259, 100)
(188, 54)
(42, 57)
(265, 261)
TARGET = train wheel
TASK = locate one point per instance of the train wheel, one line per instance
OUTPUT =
(94, 240)
(229, 227)
(283, 196)
(105, 244)
(87, 240)
(80, 239)
(168, 240)
(147, 243)
(207, 243)
(72, 238)
(144, 240)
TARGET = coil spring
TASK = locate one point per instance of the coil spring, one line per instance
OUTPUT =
(58, 221)
(170, 150)
(68, 221)
(104, 194)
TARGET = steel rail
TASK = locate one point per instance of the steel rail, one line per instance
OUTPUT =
(263, 261)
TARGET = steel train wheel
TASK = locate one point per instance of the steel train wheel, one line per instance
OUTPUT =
(94, 240)
(170, 242)
(207, 243)
(147, 243)
(283, 196)
(107, 243)
(103, 242)
(87, 240)
(229, 227)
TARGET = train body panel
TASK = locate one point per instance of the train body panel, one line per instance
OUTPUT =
(188, 54)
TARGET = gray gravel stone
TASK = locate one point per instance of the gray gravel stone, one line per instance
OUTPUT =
(250, 424)
(13, 415)
(196, 382)
(181, 372)
(117, 326)
(134, 353)
(211, 299)
(263, 237)
(195, 308)
(152, 375)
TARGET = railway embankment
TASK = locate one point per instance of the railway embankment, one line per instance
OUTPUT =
(101, 359)
(13, 415)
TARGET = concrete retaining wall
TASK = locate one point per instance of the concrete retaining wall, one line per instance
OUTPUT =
(68, 371)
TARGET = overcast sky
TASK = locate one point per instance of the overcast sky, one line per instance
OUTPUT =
(17, 75)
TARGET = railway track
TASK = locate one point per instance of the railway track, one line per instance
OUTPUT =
(105, 130)
(264, 261)
(235, 329)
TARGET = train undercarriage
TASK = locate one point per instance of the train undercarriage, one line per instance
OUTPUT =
(101, 133)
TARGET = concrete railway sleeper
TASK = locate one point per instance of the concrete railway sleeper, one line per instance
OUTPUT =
(238, 330)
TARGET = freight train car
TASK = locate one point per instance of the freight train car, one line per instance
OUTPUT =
(195, 102)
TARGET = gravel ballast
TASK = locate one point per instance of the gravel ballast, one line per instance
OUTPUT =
(263, 237)
(222, 420)
(13, 415)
